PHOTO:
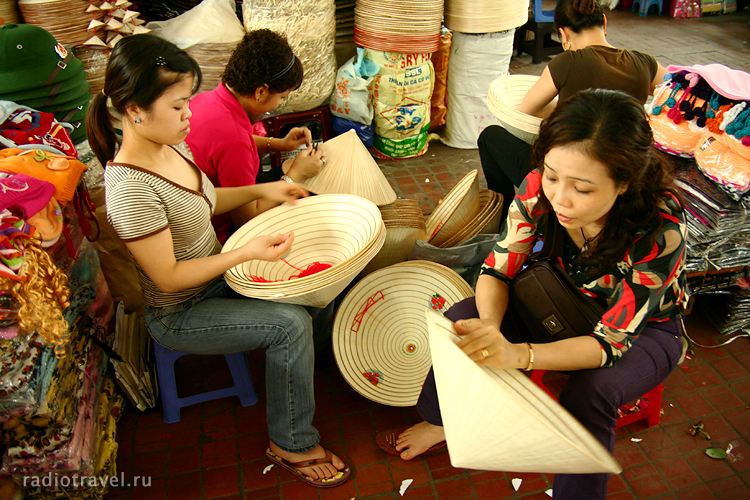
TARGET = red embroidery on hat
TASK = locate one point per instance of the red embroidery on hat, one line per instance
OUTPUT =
(61, 51)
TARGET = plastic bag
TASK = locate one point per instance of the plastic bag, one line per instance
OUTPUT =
(726, 161)
(439, 100)
(212, 21)
(351, 98)
(466, 259)
(365, 132)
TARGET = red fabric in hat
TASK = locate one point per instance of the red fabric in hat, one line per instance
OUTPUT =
(24, 195)
(35, 127)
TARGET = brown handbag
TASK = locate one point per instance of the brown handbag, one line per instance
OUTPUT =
(546, 298)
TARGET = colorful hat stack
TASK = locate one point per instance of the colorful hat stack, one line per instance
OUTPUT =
(38, 72)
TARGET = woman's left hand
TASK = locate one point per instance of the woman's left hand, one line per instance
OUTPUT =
(485, 345)
(282, 191)
(296, 138)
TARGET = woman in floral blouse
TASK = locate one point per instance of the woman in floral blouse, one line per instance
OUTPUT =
(596, 168)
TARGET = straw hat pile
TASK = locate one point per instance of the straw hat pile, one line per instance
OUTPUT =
(485, 16)
(465, 212)
(504, 99)
(350, 169)
(500, 420)
(9, 12)
(404, 223)
(380, 338)
(404, 26)
(212, 58)
(344, 231)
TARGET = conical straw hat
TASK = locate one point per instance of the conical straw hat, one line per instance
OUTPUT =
(500, 420)
(487, 221)
(504, 99)
(380, 333)
(485, 16)
(350, 169)
(344, 231)
(457, 209)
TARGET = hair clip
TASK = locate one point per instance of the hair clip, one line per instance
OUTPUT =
(160, 61)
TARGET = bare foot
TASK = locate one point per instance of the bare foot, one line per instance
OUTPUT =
(419, 438)
(318, 471)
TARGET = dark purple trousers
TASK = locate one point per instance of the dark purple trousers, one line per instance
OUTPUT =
(592, 396)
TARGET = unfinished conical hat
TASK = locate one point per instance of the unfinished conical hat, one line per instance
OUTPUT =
(117, 13)
(455, 211)
(380, 333)
(94, 24)
(504, 100)
(106, 6)
(114, 40)
(126, 28)
(140, 30)
(113, 24)
(93, 8)
(350, 169)
(500, 420)
(95, 41)
(129, 15)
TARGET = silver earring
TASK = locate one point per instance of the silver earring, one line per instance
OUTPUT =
(257, 100)
(137, 119)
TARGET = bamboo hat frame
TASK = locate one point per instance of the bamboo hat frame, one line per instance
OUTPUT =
(485, 16)
(380, 334)
(500, 420)
(344, 231)
(350, 169)
(487, 221)
(504, 99)
(404, 26)
(457, 209)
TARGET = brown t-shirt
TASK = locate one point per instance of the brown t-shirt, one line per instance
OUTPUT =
(600, 67)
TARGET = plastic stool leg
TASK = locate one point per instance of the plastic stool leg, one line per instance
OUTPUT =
(167, 386)
(243, 383)
(654, 400)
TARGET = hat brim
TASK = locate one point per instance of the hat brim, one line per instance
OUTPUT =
(67, 93)
(28, 83)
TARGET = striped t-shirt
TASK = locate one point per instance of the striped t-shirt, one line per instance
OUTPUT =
(141, 203)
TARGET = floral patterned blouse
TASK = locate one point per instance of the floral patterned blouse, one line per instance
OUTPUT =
(648, 285)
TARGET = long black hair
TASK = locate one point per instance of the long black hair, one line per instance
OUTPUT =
(612, 128)
(139, 70)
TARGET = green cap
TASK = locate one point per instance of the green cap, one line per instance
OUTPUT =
(59, 91)
(30, 58)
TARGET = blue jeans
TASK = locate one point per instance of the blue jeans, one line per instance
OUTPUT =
(592, 396)
(213, 322)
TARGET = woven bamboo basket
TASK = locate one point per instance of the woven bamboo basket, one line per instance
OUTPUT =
(457, 209)
(504, 99)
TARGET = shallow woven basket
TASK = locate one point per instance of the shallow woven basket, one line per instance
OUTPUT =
(500, 420)
(504, 99)
(404, 26)
(212, 58)
(457, 209)
(66, 20)
(350, 169)
(94, 64)
(380, 332)
(485, 16)
(404, 223)
(342, 230)
(9, 12)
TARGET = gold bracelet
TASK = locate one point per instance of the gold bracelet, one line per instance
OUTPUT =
(269, 149)
(531, 358)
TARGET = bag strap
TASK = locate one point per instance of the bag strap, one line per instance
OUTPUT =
(553, 240)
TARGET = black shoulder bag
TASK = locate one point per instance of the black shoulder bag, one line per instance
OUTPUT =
(546, 298)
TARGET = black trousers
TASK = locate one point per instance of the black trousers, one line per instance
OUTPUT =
(506, 160)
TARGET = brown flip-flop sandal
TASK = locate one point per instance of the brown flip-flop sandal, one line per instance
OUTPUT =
(294, 467)
(386, 440)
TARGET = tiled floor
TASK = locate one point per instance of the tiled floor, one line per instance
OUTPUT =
(217, 449)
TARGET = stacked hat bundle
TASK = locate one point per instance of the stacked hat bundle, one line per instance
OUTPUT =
(485, 16)
(465, 212)
(404, 223)
(40, 73)
(405, 26)
(350, 169)
(9, 12)
(113, 22)
(212, 58)
(66, 20)
(504, 100)
(335, 236)
(380, 337)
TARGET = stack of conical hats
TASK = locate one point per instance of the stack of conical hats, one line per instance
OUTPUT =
(404, 26)
(500, 420)
(485, 16)
(380, 338)
(38, 72)
(404, 223)
(343, 231)
(465, 212)
(504, 99)
(350, 169)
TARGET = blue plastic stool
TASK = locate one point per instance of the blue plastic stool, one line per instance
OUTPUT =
(171, 403)
(644, 5)
(542, 16)
(541, 23)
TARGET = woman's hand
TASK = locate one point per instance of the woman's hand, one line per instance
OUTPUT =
(282, 191)
(306, 164)
(296, 138)
(270, 247)
(485, 345)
